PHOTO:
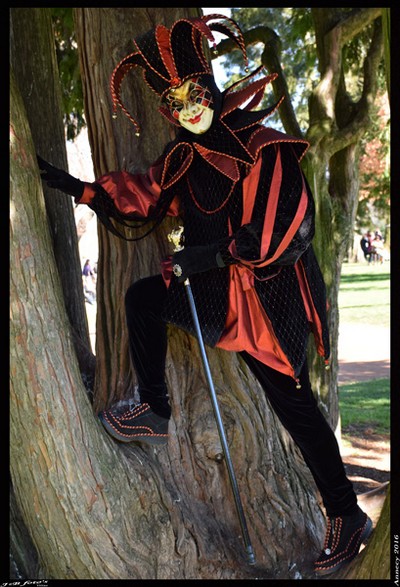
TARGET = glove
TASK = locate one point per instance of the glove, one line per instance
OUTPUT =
(193, 260)
(59, 179)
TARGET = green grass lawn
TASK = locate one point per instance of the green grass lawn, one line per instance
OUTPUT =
(365, 404)
(364, 298)
(364, 294)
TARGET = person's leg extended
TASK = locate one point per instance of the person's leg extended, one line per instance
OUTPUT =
(147, 422)
(148, 340)
(297, 409)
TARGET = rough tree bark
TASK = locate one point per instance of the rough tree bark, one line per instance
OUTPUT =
(33, 60)
(32, 55)
(81, 501)
(103, 39)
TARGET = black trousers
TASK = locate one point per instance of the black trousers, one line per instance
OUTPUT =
(297, 409)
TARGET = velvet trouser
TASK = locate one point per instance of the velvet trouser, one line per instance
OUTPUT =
(297, 409)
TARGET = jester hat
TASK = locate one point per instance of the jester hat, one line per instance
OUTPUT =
(168, 57)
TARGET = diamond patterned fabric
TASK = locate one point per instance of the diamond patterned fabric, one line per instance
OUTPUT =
(280, 296)
(186, 60)
(213, 207)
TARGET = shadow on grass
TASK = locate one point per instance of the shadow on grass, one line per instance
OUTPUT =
(366, 401)
(364, 277)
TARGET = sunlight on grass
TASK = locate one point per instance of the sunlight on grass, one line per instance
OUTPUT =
(364, 294)
(366, 402)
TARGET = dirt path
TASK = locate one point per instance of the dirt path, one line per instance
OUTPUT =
(364, 352)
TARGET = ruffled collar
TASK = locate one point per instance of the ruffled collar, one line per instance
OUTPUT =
(224, 145)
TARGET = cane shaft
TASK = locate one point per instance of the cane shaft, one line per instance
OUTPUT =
(220, 426)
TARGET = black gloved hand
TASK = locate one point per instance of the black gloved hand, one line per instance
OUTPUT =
(193, 260)
(59, 179)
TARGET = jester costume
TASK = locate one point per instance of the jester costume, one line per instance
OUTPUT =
(248, 216)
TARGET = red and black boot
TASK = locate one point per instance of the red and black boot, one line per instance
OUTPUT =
(138, 424)
(344, 536)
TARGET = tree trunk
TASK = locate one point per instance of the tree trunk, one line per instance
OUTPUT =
(114, 146)
(33, 59)
(336, 126)
(23, 554)
(32, 54)
(91, 511)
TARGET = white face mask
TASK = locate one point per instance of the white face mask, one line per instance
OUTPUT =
(191, 105)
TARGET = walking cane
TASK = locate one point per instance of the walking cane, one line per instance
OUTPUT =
(176, 238)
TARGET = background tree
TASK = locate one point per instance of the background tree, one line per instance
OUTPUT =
(93, 508)
(373, 211)
(375, 561)
(68, 64)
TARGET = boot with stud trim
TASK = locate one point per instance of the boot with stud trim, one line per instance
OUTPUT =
(344, 536)
(138, 424)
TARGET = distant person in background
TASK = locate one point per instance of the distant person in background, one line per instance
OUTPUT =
(87, 268)
(366, 246)
(377, 248)
(89, 278)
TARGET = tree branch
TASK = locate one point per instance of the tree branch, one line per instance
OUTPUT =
(329, 97)
(271, 60)
(353, 24)
(353, 131)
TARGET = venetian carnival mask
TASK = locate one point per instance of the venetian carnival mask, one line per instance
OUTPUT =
(191, 104)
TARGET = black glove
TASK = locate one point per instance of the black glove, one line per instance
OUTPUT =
(59, 179)
(193, 260)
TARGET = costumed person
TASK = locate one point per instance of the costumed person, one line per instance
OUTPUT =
(248, 216)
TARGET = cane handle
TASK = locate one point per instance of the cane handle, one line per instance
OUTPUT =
(176, 238)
